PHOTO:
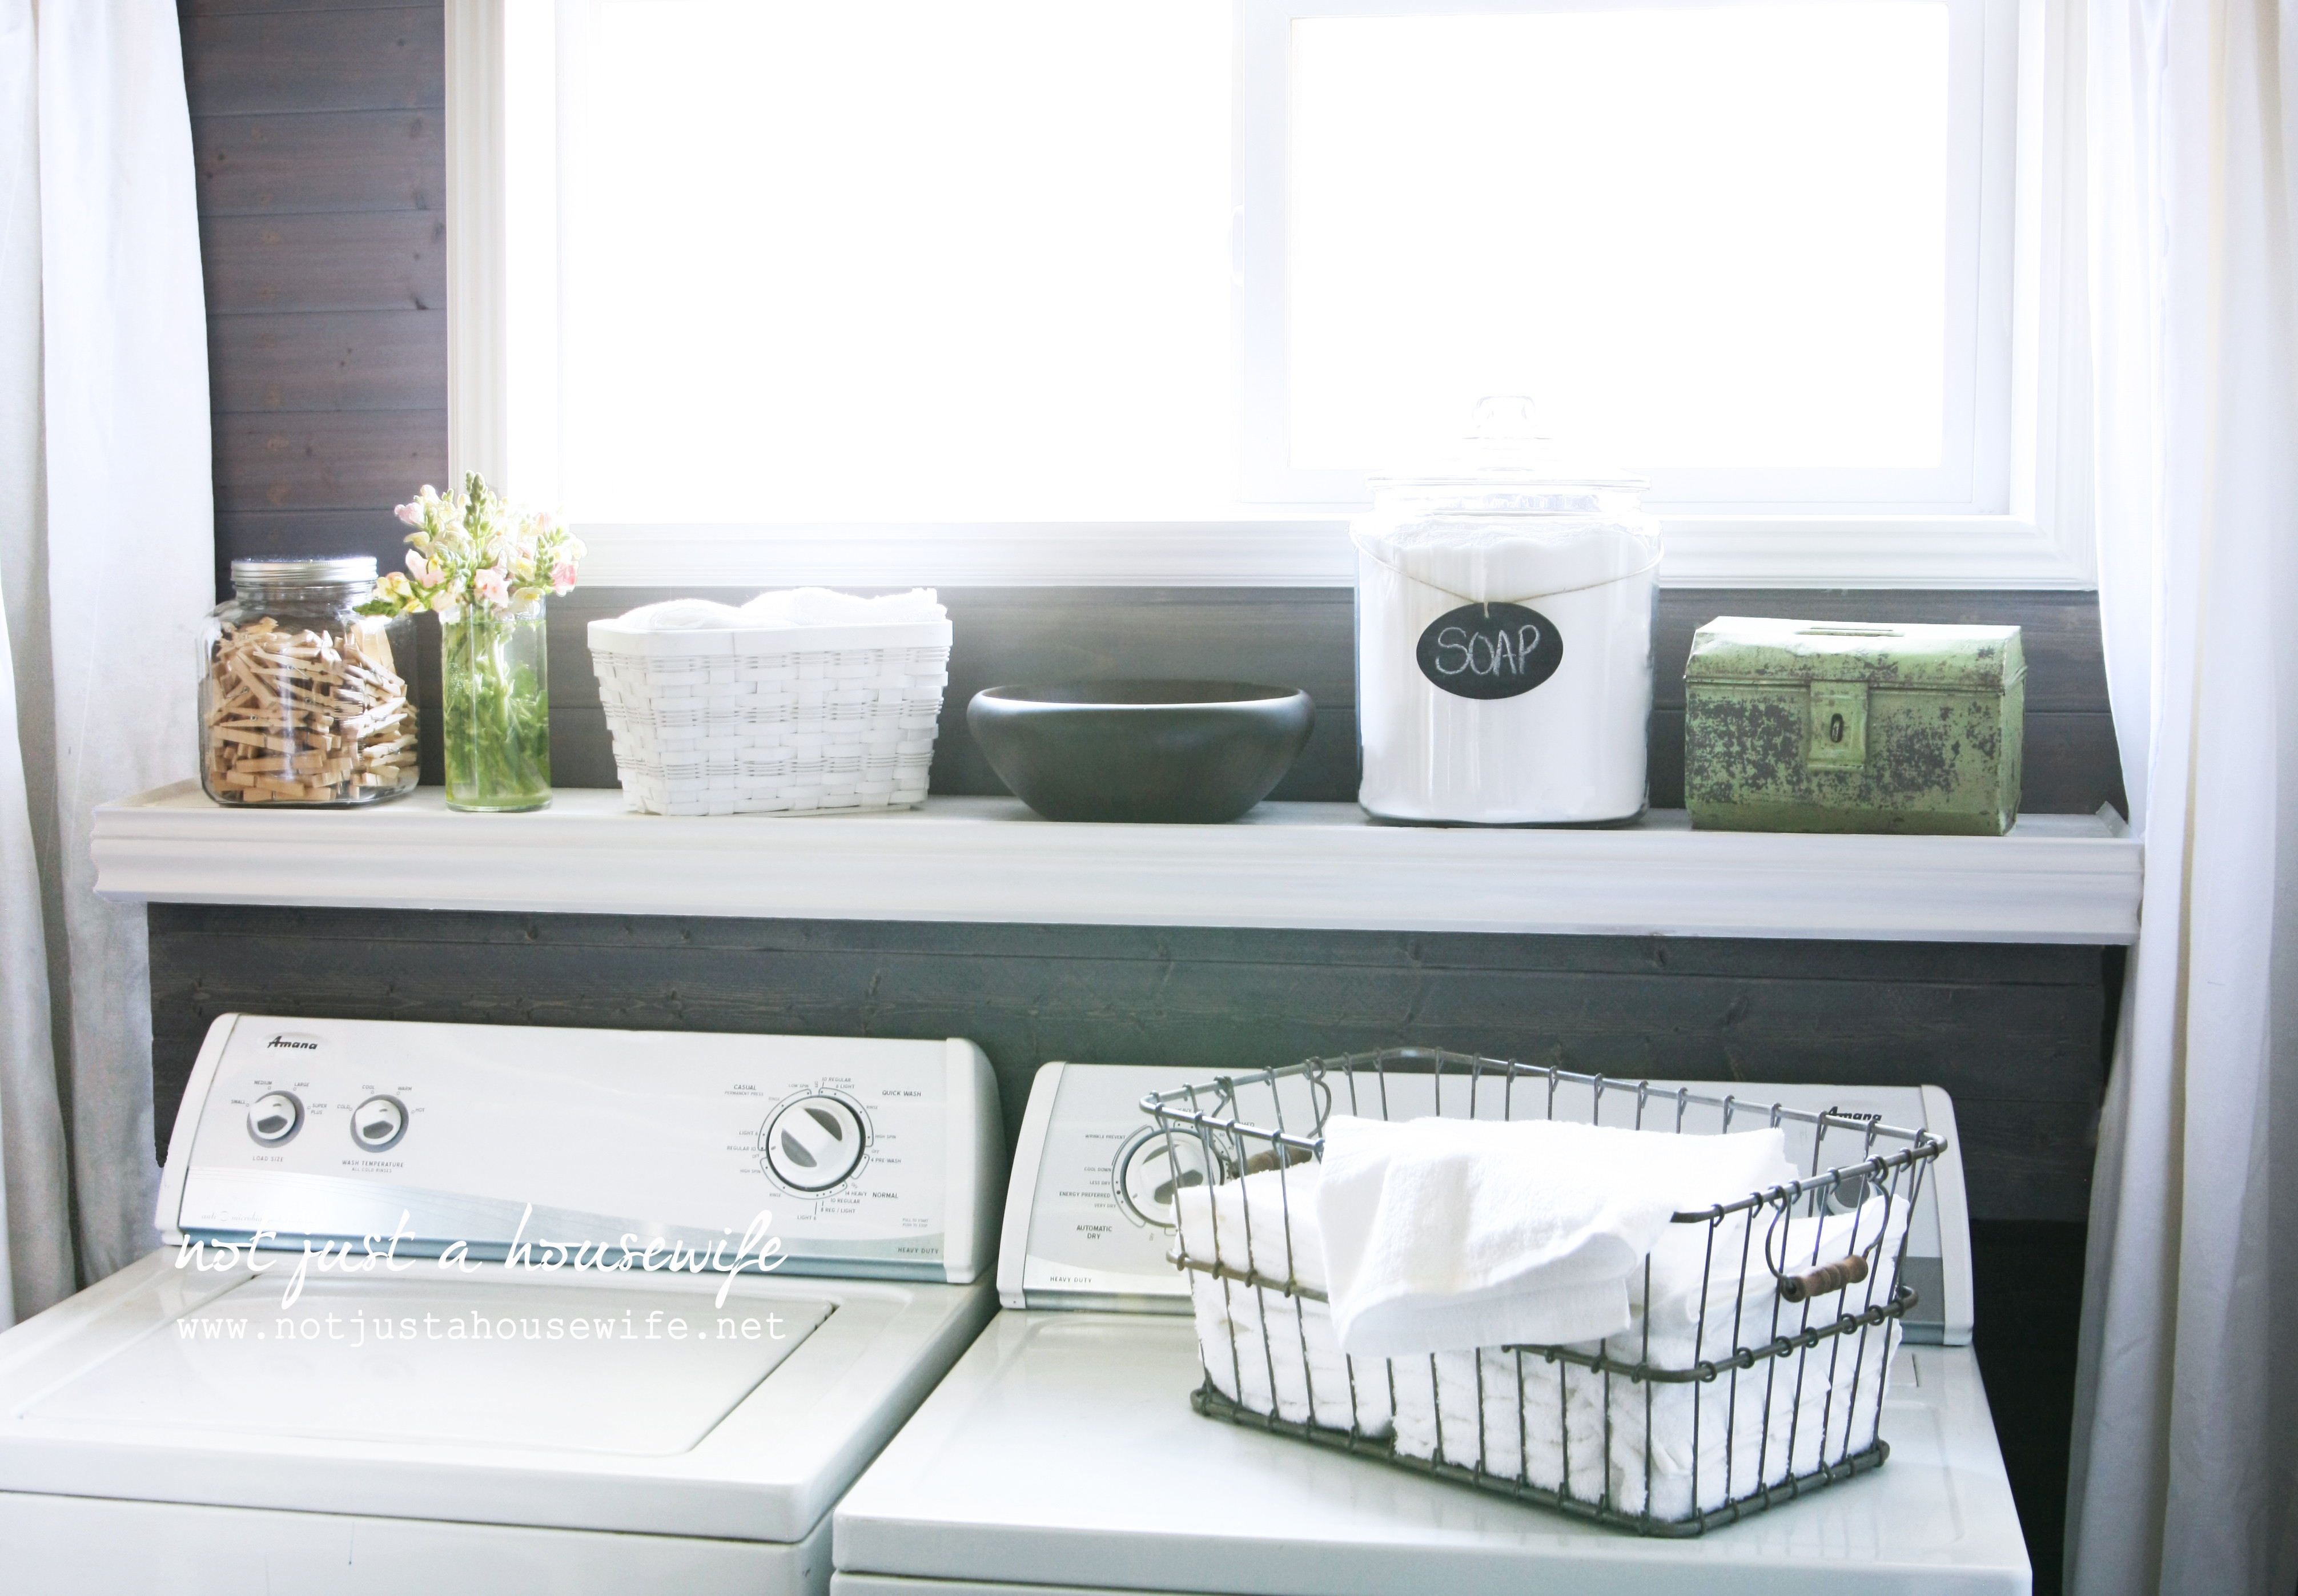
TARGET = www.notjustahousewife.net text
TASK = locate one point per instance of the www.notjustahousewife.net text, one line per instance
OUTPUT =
(758, 1251)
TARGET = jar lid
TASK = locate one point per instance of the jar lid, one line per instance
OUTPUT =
(1507, 465)
(348, 568)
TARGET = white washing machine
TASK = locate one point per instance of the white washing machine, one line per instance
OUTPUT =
(460, 1393)
(1062, 1454)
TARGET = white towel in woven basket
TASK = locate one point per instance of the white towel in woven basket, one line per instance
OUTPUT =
(773, 720)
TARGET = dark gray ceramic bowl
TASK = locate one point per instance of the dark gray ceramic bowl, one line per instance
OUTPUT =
(1192, 753)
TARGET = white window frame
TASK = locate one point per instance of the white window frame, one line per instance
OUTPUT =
(2029, 413)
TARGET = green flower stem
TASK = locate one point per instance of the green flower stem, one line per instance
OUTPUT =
(497, 703)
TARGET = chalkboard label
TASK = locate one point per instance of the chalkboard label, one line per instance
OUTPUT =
(1490, 650)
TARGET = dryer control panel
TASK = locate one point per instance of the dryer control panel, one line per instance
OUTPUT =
(1089, 1219)
(864, 1157)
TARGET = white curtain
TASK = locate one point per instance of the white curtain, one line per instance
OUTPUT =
(106, 562)
(2185, 1473)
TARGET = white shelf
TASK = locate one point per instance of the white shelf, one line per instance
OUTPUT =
(2056, 878)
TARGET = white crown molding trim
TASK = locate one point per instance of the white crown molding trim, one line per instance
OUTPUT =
(2061, 878)
(1971, 551)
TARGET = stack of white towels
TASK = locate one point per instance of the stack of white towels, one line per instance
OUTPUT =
(787, 607)
(1438, 1242)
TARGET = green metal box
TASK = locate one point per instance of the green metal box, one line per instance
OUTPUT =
(1807, 726)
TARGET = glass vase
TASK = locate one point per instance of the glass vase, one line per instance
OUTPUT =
(495, 698)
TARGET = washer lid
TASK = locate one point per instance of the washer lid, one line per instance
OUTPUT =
(444, 1362)
(108, 1395)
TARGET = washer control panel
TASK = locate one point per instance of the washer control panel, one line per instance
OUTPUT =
(862, 1156)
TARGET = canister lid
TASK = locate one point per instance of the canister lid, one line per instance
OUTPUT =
(1513, 515)
(348, 568)
(1507, 465)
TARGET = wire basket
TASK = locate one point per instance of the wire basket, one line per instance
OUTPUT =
(1753, 1370)
(773, 720)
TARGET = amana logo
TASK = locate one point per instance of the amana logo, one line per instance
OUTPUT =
(306, 1043)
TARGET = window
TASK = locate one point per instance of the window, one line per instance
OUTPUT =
(1142, 289)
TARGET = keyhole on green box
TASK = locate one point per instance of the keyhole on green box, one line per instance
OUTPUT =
(1835, 728)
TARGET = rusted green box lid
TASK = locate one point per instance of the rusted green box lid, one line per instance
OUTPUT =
(1816, 726)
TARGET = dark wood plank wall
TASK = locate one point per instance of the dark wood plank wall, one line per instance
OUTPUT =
(2014, 1033)
(317, 133)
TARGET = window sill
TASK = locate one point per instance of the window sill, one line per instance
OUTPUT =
(2058, 877)
(1823, 551)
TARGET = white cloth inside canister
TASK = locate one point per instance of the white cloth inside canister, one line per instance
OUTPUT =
(1496, 559)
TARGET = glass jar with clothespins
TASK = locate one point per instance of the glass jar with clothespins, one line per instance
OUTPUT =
(303, 701)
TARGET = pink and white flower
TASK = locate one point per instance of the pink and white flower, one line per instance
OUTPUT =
(475, 551)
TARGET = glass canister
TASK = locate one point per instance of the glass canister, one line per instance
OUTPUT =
(303, 701)
(1504, 625)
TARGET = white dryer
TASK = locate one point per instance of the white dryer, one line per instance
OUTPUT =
(1062, 1453)
(470, 1348)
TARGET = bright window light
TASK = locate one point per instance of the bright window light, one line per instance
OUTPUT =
(894, 260)
(1710, 238)
(940, 263)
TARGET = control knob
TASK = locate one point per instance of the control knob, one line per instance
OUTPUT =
(815, 1142)
(379, 1122)
(1152, 1168)
(274, 1117)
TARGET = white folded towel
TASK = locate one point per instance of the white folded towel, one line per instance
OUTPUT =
(1512, 1414)
(682, 614)
(1264, 1348)
(1264, 1225)
(1672, 1447)
(787, 607)
(1443, 1234)
(1275, 1353)
(824, 607)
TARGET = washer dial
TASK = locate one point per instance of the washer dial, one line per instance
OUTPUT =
(1154, 1165)
(379, 1122)
(814, 1142)
(274, 1118)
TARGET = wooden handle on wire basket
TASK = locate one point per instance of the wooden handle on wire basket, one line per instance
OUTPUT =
(1825, 1279)
(1276, 1158)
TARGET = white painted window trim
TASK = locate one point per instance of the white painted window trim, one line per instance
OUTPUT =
(2042, 539)
(477, 348)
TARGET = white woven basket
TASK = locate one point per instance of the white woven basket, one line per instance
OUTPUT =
(785, 720)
